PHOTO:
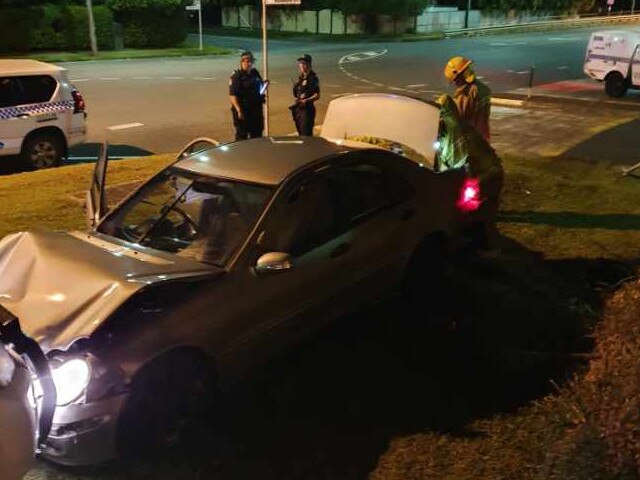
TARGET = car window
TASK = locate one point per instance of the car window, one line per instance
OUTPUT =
(307, 217)
(9, 94)
(366, 186)
(37, 88)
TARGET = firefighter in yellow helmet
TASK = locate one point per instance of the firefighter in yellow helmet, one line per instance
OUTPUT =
(472, 97)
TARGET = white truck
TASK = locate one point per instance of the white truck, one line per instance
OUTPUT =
(612, 57)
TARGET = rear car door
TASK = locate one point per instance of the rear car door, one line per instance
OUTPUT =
(375, 206)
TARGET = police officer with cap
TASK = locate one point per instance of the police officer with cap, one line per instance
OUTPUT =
(246, 92)
(306, 92)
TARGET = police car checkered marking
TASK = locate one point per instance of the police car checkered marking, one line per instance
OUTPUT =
(36, 109)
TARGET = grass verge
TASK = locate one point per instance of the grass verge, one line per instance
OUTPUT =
(126, 54)
(570, 233)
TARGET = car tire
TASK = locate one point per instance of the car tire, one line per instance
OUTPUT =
(170, 400)
(43, 150)
(425, 272)
(615, 85)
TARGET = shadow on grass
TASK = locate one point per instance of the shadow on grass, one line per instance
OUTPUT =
(329, 406)
(573, 220)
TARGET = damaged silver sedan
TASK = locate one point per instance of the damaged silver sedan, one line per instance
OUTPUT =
(220, 259)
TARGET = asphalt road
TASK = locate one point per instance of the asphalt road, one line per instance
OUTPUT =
(158, 105)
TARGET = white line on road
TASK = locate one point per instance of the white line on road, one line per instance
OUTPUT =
(142, 78)
(208, 78)
(417, 85)
(125, 126)
(378, 84)
(174, 78)
(399, 89)
(75, 80)
(109, 78)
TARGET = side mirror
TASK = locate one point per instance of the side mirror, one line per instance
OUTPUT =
(273, 262)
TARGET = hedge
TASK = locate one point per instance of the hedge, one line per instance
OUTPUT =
(154, 27)
(54, 28)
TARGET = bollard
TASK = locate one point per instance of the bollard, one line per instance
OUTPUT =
(531, 72)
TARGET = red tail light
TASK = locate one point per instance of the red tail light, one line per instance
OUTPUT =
(78, 101)
(469, 195)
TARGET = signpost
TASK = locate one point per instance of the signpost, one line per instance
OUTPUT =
(265, 51)
(196, 6)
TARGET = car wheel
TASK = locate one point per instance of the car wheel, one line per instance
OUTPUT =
(425, 273)
(615, 85)
(43, 150)
(170, 399)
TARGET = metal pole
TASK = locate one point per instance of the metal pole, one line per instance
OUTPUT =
(466, 15)
(92, 29)
(265, 65)
(200, 22)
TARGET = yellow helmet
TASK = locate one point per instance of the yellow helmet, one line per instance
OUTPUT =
(455, 67)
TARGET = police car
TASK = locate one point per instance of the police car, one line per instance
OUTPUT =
(41, 113)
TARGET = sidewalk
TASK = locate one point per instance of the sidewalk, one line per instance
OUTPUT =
(589, 130)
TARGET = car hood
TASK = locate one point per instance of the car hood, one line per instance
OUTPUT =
(63, 286)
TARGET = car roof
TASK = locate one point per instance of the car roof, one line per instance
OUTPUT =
(20, 66)
(265, 160)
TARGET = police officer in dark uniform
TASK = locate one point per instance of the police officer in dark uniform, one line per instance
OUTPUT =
(246, 92)
(306, 92)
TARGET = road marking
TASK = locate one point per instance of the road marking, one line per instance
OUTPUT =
(109, 78)
(361, 56)
(398, 89)
(142, 78)
(125, 126)
(507, 44)
(418, 85)
(174, 78)
(522, 72)
(206, 78)
(76, 80)
(564, 67)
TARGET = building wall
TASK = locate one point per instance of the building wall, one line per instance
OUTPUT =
(433, 19)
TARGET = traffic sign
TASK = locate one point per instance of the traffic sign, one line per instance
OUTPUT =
(194, 6)
(283, 2)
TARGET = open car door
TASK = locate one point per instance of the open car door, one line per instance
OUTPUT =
(198, 145)
(407, 121)
(96, 201)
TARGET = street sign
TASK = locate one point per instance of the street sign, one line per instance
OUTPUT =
(610, 2)
(283, 2)
(196, 6)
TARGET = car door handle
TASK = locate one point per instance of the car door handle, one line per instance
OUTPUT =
(341, 249)
(407, 214)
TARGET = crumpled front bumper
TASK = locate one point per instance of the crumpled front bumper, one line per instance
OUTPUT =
(84, 434)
